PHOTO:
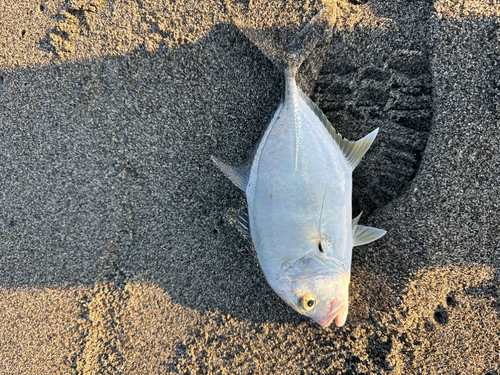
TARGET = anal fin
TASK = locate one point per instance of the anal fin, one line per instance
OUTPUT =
(237, 175)
(244, 221)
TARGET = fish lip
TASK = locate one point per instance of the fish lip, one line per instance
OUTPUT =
(336, 307)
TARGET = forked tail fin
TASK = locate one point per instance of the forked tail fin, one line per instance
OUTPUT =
(318, 29)
(291, 56)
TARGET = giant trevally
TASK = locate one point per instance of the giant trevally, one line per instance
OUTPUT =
(298, 186)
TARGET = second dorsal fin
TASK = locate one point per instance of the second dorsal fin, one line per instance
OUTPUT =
(352, 151)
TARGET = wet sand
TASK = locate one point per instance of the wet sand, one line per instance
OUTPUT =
(118, 250)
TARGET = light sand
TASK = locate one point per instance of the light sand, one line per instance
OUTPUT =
(117, 249)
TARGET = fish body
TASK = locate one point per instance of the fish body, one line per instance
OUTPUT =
(298, 186)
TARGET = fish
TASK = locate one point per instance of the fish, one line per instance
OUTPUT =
(298, 187)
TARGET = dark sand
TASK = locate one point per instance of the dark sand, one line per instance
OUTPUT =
(117, 249)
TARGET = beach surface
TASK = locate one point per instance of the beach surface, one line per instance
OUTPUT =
(119, 252)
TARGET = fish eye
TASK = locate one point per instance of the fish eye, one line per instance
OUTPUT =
(308, 302)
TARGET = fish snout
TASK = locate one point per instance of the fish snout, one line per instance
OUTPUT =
(338, 312)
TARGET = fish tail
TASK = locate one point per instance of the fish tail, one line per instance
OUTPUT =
(319, 28)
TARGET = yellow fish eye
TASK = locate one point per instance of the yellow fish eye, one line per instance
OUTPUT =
(308, 302)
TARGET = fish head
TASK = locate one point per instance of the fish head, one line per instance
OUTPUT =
(319, 289)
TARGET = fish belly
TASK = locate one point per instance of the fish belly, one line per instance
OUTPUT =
(300, 186)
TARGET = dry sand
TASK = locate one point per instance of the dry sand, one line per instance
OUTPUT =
(117, 250)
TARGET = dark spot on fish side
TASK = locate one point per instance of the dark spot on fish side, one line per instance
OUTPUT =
(320, 247)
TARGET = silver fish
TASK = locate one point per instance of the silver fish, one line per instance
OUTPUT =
(298, 186)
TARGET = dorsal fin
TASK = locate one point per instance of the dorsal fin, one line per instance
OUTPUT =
(238, 175)
(352, 151)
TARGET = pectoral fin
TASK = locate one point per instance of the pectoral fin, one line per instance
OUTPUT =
(363, 235)
(237, 175)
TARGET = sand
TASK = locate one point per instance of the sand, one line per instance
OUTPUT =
(118, 250)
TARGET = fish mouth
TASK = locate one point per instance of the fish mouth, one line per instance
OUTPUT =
(336, 308)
